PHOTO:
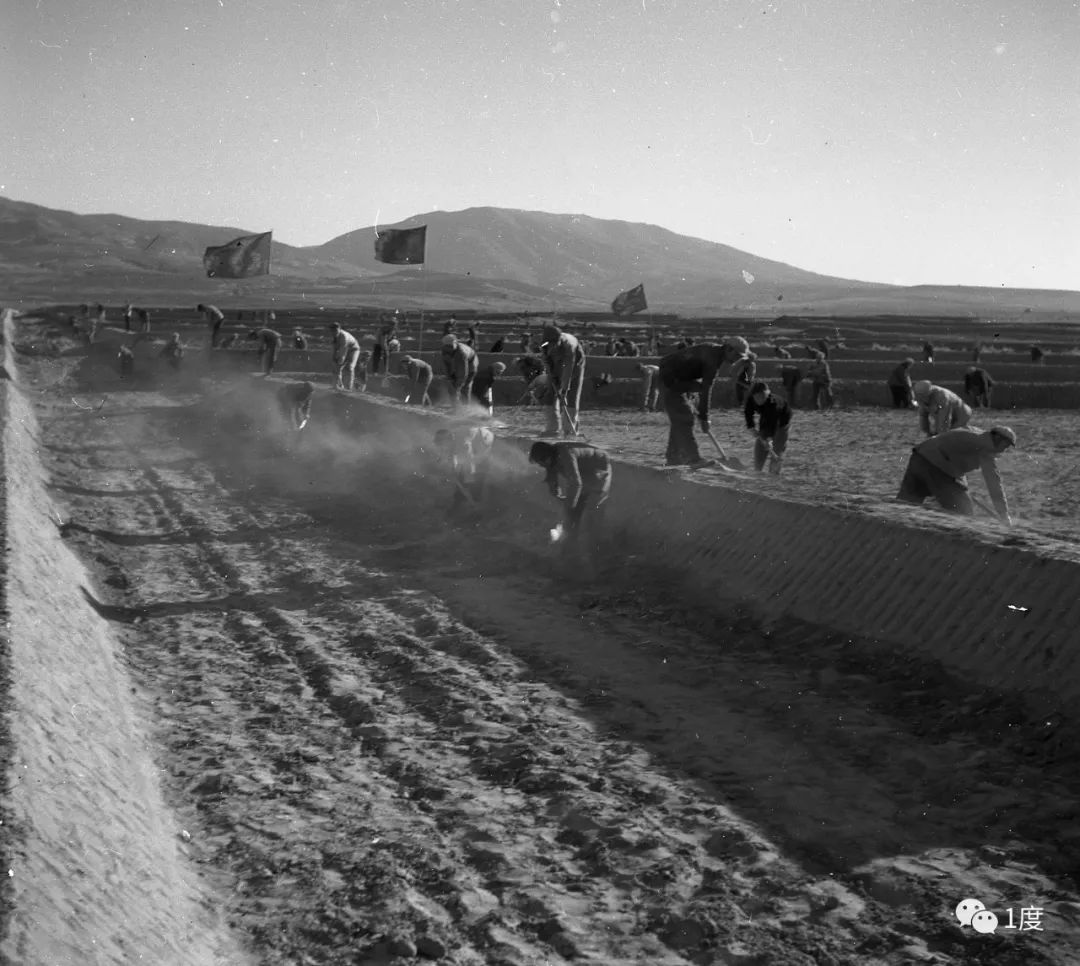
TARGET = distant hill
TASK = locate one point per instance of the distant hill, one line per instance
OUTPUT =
(491, 259)
(595, 258)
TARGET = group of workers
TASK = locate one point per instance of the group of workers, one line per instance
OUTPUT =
(580, 474)
(681, 384)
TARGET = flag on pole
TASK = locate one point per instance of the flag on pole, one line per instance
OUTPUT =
(400, 246)
(241, 258)
(629, 302)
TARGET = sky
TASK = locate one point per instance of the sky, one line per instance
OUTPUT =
(899, 141)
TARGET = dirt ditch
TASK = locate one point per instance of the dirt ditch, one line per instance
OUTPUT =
(384, 737)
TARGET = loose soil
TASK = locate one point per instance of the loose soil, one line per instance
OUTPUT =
(386, 736)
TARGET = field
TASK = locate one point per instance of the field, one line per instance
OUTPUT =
(382, 737)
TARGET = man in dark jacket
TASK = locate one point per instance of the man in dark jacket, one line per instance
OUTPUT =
(790, 376)
(682, 374)
(900, 385)
(771, 432)
(977, 386)
(269, 346)
(578, 474)
(295, 402)
(483, 387)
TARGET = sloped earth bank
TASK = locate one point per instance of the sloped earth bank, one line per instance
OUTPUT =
(385, 737)
(855, 458)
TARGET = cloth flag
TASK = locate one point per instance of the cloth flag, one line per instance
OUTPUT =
(629, 302)
(400, 246)
(241, 258)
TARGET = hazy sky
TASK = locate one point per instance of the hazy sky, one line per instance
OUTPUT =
(903, 141)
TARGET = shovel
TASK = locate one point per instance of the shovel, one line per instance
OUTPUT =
(733, 461)
(566, 413)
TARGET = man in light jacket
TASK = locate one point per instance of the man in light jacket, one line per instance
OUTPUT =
(938, 465)
(940, 409)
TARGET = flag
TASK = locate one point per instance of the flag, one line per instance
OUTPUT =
(627, 303)
(241, 258)
(400, 246)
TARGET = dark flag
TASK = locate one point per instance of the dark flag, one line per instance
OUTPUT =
(241, 258)
(627, 303)
(400, 246)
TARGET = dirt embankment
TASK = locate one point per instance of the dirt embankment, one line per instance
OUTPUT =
(393, 736)
(91, 852)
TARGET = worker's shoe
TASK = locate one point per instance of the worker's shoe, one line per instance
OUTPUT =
(700, 464)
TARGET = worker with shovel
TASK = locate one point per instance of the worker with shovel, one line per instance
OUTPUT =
(420, 376)
(682, 374)
(938, 465)
(295, 403)
(580, 475)
(564, 359)
(461, 363)
(771, 431)
(468, 452)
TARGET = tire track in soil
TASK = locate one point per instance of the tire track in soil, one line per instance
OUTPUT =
(436, 702)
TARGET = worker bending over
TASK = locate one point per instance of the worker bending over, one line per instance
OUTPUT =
(468, 451)
(460, 362)
(682, 374)
(938, 467)
(294, 401)
(940, 409)
(580, 475)
(420, 376)
(771, 432)
(564, 359)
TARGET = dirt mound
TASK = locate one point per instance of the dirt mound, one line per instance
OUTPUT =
(95, 859)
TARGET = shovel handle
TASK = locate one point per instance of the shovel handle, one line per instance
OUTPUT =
(716, 443)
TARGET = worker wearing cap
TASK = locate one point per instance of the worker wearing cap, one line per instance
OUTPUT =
(940, 409)
(564, 359)
(900, 385)
(460, 361)
(682, 374)
(771, 432)
(420, 376)
(938, 465)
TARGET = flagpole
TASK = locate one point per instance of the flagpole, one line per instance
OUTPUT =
(423, 299)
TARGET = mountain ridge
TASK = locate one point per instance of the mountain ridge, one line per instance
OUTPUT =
(497, 258)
